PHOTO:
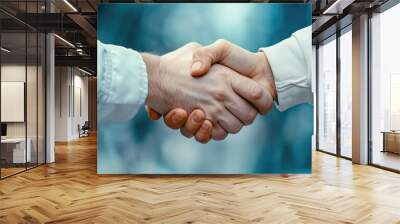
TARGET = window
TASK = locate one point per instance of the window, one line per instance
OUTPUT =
(385, 89)
(346, 92)
(327, 96)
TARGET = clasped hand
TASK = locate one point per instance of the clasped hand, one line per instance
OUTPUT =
(209, 91)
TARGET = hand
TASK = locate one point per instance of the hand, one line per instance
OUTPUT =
(195, 125)
(171, 86)
(253, 65)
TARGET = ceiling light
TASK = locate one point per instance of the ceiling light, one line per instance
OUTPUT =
(70, 5)
(84, 71)
(337, 7)
(65, 41)
(5, 50)
(333, 6)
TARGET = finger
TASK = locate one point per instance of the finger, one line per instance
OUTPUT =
(153, 115)
(241, 109)
(204, 57)
(253, 93)
(203, 135)
(225, 53)
(196, 119)
(185, 133)
(229, 122)
(218, 133)
(176, 118)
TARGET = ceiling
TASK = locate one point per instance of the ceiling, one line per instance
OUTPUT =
(76, 21)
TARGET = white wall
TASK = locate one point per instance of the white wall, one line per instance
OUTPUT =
(79, 117)
(16, 73)
(70, 83)
(62, 81)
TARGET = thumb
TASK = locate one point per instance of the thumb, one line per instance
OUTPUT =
(202, 61)
(204, 57)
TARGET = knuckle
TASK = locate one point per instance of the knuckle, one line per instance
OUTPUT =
(267, 105)
(218, 111)
(222, 42)
(231, 126)
(193, 45)
(219, 94)
(198, 53)
(250, 116)
(256, 92)
(270, 104)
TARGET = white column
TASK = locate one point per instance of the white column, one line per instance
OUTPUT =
(50, 99)
(360, 90)
(314, 90)
(50, 92)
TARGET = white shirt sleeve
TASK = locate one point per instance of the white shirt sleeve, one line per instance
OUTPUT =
(290, 62)
(121, 82)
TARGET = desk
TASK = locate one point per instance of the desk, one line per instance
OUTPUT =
(17, 151)
(391, 141)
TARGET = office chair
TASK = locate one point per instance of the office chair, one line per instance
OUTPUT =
(84, 130)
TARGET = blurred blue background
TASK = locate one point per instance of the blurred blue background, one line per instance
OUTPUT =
(279, 142)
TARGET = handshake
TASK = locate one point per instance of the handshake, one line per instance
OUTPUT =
(209, 91)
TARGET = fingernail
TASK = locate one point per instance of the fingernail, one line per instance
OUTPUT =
(197, 118)
(175, 118)
(204, 127)
(196, 66)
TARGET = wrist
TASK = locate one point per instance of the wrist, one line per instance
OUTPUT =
(153, 76)
(268, 74)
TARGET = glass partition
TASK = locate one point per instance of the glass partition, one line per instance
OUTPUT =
(32, 95)
(327, 96)
(32, 101)
(23, 89)
(41, 107)
(14, 153)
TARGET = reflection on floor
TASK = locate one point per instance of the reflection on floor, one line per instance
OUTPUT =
(387, 159)
(70, 191)
(8, 170)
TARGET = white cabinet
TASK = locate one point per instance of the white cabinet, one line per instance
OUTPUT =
(19, 155)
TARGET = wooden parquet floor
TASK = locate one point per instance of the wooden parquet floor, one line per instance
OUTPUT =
(70, 191)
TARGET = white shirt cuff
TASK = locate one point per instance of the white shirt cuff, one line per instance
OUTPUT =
(122, 82)
(290, 64)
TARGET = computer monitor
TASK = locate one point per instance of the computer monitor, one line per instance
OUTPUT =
(3, 129)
